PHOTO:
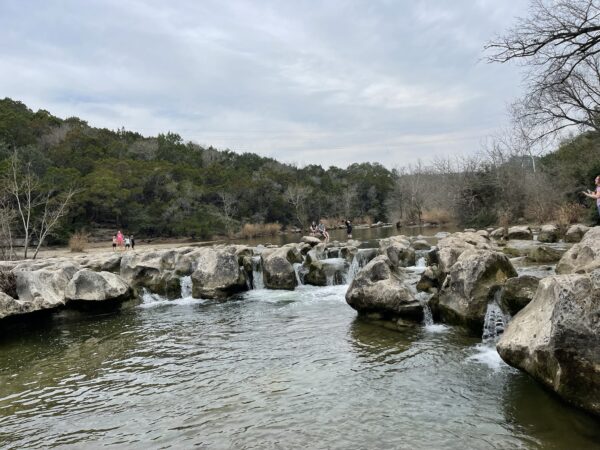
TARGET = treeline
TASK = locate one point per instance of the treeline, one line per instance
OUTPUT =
(164, 186)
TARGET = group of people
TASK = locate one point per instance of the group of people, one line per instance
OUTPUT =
(321, 231)
(121, 242)
(595, 195)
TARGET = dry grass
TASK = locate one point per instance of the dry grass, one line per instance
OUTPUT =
(438, 216)
(505, 218)
(252, 230)
(79, 241)
(568, 213)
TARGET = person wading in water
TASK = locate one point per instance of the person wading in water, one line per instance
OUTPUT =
(348, 228)
(595, 195)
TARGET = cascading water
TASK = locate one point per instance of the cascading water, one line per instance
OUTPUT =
(494, 322)
(186, 286)
(358, 262)
(257, 273)
(297, 271)
(423, 298)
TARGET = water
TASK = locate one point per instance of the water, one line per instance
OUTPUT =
(257, 273)
(270, 369)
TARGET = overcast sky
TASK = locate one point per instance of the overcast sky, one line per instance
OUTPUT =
(326, 82)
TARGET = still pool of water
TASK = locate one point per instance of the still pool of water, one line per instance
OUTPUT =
(269, 370)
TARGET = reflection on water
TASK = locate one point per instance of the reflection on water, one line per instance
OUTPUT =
(270, 369)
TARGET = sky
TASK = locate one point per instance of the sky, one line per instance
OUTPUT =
(307, 82)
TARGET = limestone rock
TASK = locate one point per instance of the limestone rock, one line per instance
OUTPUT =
(421, 244)
(218, 273)
(398, 251)
(556, 338)
(545, 254)
(548, 233)
(278, 271)
(470, 285)
(582, 254)
(89, 286)
(522, 232)
(575, 233)
(518, 292)
(452, 246)
(378, 288)
(498, 233)
(312, 240)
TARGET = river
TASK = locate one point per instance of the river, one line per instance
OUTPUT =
(267, 370)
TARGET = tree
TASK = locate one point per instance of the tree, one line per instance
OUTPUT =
(228, 207)
(296, 195)
(559, 43)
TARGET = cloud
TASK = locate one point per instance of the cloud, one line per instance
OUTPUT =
(304, 82)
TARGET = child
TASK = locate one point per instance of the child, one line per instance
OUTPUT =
(114, 243)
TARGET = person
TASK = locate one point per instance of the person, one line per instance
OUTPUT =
(114, 243)
(313, 229)
(595, 195)
(132, 242)
(120, 240)
(127, 243)
(323, 231)
(348, 228)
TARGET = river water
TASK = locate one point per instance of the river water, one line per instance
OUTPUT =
(267, 370)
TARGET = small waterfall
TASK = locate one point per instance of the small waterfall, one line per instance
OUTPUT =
(421, 262)
(330, 280)
(257, 273)
(358, 262)
(495, 321)
(297, 271)
(423, 298)
(186, 286)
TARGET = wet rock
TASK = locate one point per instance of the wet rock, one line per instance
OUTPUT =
(548, 233)
(522, 232)
(452, 246)
(278, 271)
(582, 254)
(312, 240)
(575, 233)
(470, 285)
(348, 252)
(9, 306)
(545, 254)
(429, 281)
(556, 338)
(326, 272)
(421, 244)
(519, 247)
(498, 233)
(378, 288)
(90, 286)
(218, 274)
(518, 292)
(398, 251)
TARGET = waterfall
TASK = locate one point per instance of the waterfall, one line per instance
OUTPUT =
(257, 273)
(423, 298)
(297, 270)
(186, 286)
(495, 321)
(330, 279)
(358, 262)
(421, 262)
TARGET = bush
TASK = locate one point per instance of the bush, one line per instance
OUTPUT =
(79, 241)
(252, 230)
(437, 216)
(568, 213)
(8, 283)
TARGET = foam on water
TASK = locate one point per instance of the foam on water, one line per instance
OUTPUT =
(487, 355)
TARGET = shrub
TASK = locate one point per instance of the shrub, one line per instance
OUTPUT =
(437, 215)
(251, 230)
(8, 283)
(568, 213)
(79, 241)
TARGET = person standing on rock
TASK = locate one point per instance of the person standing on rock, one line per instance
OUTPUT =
(132, 242)
(114, 242)
(595, 195)
(120, 239)
(127, 243)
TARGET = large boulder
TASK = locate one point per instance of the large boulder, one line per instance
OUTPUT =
(278, 270)
(398, 251)
(548, 233)
(518, 292)
(421, 244)
(429, 281)
(452, 246)
(89, 286)
(522, 232)
(12, 307)
(218, 273)
(470, 285)
(326, 272)
(556, 338)
(312, 240)
(575, 233)
(498, 233)
(109, 262)
(582, 254)
(379, 289)
(44, 288)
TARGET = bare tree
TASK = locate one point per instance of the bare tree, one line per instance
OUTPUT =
(349, 196)
(228, 206)
(7, 218)
(296, 195)
(559, 43)
(54, 209)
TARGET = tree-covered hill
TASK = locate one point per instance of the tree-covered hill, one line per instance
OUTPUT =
(165, 186)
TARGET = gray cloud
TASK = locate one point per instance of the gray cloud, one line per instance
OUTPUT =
(308, 82)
